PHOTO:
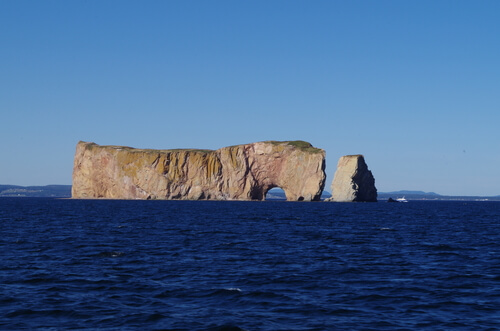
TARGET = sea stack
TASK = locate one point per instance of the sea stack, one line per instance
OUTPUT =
(242, 172)
(353, 182)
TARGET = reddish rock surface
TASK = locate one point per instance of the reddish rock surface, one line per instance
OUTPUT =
(243, 172)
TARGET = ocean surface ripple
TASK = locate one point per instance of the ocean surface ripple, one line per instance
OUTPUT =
(274, 265)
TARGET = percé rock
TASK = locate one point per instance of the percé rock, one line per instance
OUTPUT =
(243, 172)
(353, 182)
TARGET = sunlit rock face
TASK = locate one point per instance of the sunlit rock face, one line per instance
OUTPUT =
(353, 182)
(243, 172)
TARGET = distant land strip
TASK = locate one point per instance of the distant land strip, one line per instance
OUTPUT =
(64, 191)
(47, 191)
(420, 195)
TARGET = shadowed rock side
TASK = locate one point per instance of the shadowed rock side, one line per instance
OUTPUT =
(353, 182)
(243, 172)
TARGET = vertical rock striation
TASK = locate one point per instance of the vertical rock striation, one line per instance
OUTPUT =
(243, 172)
(353, 182)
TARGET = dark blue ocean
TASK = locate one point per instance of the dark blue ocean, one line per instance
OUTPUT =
(274, 265)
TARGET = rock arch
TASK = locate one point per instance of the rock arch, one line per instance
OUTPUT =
(242, 172)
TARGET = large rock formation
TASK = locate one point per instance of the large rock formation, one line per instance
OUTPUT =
(243, 172)
(353, 181)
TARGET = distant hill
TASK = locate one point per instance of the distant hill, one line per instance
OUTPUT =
(411, 192)
(48, 191)
(420, 195)
(409, 195)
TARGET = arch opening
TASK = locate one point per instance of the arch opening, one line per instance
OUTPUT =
(275, 193)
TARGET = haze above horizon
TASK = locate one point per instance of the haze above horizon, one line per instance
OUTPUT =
(411, 85)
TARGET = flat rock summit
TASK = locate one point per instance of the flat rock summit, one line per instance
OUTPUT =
(242, 172)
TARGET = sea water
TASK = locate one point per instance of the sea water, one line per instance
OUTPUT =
(273, 265)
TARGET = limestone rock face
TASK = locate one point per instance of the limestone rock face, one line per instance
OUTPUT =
(243, 172)
(353, 181)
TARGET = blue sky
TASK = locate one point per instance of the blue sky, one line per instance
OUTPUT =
(412, 85)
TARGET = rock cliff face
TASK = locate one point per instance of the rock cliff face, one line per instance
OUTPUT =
(353, 181)
(243, 172)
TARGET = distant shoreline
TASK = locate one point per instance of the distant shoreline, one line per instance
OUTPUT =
(64, 191)
(415, 195)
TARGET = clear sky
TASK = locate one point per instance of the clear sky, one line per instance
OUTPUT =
(413, 85)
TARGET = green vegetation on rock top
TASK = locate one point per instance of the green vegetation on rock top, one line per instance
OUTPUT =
(303, 145)
(300, 144)
(145, 150)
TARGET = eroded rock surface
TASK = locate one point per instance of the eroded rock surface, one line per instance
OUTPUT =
(243, 172)
(353, 182)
